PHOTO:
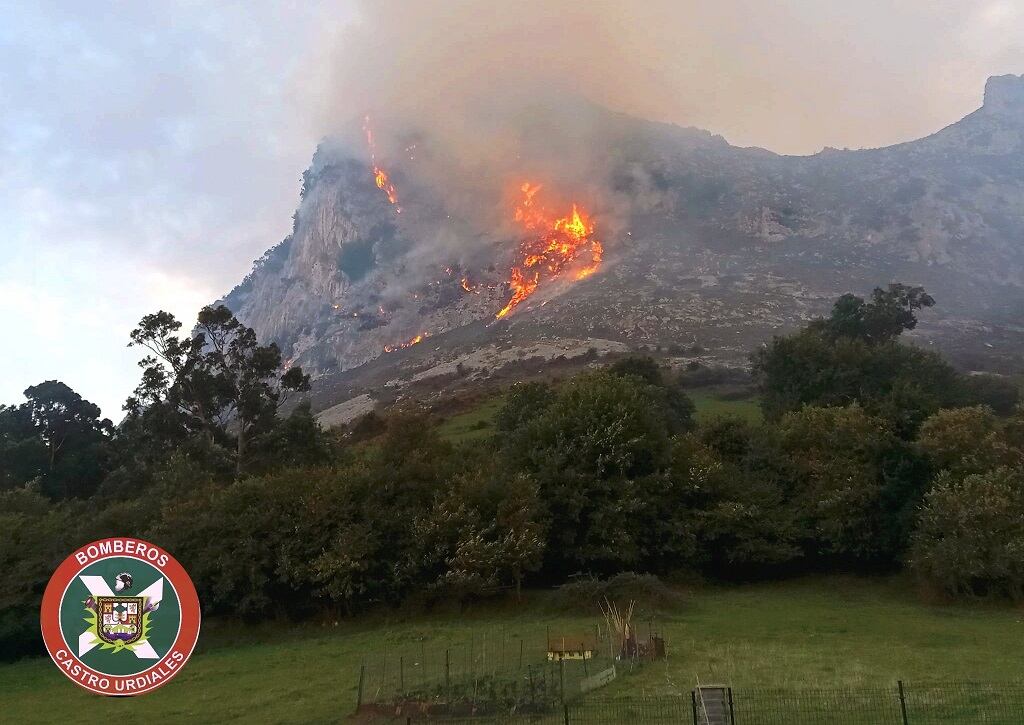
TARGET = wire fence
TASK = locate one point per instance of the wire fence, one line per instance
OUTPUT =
(532, 671)
(495, 665)
(911, 704)
(539, 676)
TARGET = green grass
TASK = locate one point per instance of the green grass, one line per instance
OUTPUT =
(710, 404)
(478, 422)
(825, 632)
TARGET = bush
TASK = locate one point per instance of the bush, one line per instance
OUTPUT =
(36, 536)
(960, 440)
(997, 392)
(969, 537)
(839, 458)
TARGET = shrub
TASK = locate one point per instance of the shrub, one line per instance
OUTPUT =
(969, 538)
(960, 440)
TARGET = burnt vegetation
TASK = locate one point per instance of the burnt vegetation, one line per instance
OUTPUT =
(873, 456)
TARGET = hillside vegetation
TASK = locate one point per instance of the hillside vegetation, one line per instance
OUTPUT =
(872, 456)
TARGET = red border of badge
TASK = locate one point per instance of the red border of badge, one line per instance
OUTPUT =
(93, 680)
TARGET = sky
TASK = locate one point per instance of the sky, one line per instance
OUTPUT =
(149, 152)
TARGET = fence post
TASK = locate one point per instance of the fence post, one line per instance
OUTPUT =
(448, 673)
(359, 693)
(565, 709)
(401, 674)
(732, 715)
(693, 704)
(561, 679)
(903, 702)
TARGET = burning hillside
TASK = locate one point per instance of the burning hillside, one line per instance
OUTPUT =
(555, 247)
(380, 176)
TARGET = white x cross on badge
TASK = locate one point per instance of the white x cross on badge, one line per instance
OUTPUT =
(98, 588)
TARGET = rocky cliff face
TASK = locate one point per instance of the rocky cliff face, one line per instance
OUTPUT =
(719, 247)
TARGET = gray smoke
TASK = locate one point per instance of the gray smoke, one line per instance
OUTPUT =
(792, 76)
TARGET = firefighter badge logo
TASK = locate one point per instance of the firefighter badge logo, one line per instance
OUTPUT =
(120, 616)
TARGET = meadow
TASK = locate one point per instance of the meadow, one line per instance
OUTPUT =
(808, 633)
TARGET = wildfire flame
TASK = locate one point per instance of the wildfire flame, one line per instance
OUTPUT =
(556, 246)
(467, 286)
(380, 175)
(402, 345)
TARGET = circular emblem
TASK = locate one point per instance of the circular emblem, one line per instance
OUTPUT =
(120, 616)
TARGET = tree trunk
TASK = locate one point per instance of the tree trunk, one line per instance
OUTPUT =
(240, 452)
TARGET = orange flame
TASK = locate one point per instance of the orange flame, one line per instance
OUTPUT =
(467, 286)
(555, 246)
(402, 345)
(380, 176)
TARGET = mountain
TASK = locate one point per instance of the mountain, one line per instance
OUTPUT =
(711, 249)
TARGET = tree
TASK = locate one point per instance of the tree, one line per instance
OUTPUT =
(644, 368)
(889, 313)
(295, 441)
(678, 407)
(23, 453)
(523, 402)
(57, 436)
(749, 524)
(592, 439)
(961, 440)
(1000, 394)
(969, 538)
(220, 382)
(36, 535)
(838, 458)
(855, 356)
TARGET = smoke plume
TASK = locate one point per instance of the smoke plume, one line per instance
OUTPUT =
(792, 76)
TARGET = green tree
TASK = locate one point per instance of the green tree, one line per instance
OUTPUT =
(969, 538)
(855, 356)
(220, 382)
(23, 453)
(643, 367)
(1000, 394)
(57, 436)
(482, 533)
(885, 317)
(961, 440)
(838, 458)
(676, 404)
(523, 402)
(36, 536)
(749, 525)
(295, 441)
(596, 435)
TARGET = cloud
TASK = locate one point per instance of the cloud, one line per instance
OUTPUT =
(147, 155)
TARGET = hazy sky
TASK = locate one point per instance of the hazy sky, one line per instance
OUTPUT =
(149, 152)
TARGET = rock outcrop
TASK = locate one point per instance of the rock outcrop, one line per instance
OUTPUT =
(779, 236)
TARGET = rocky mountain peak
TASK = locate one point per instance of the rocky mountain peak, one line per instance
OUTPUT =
(708, 247)
(1004, 95)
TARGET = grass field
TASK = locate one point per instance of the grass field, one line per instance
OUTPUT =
(826, 632)
(477, 422)
(713, 402)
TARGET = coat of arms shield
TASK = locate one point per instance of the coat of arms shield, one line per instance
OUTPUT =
(120, 619)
